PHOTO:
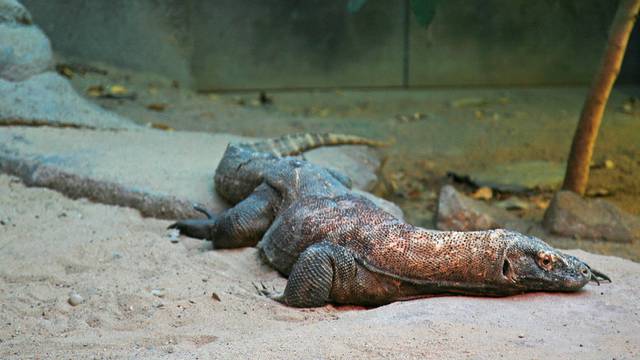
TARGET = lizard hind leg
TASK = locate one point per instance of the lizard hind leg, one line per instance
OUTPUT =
(320, 269)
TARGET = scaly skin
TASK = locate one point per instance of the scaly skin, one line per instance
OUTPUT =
(338, 247)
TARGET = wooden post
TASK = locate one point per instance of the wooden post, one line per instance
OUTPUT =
(577, 174)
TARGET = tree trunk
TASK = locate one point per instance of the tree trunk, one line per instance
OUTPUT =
(577, 174)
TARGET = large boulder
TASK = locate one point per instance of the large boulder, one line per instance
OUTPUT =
(571, 215)
(24, 49)
(49, 99)
(157, 172)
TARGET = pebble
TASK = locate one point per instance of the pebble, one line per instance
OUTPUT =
(75, 299)
(158, 292)
(173, 235)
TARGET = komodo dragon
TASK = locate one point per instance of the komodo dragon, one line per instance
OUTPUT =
(336, 246)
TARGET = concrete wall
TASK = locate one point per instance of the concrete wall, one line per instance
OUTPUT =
(145, 35)
(249, 44)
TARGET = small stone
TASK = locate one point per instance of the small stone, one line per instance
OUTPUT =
(158, 292)
(173, 235)
(483, 193)
(75, 299)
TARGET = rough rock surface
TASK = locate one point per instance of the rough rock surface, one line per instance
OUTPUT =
(49, 99)
(459, 212)
(24, 49)
(159, 173)
(571, 215)
(12, 12)
(114, 259)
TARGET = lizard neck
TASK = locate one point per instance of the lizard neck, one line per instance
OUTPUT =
(449, 258)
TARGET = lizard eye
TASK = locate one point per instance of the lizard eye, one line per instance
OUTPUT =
(545, 260)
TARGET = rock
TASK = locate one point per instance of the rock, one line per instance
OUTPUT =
(520, 176)
(24, 51)
(360, 160)
(158, 292)
(75, 299)
(385, 205)
(157, 172)
(12, 12)
(571, 215)
(49, 99)
(173, 235)
(461, 213)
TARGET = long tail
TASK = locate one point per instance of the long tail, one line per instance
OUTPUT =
(294, 144)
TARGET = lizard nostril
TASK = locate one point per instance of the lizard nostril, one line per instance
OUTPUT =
(505, 268)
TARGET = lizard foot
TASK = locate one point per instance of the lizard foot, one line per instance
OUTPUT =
(197, 228)
(272, 294)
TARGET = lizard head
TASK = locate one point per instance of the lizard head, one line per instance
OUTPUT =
(530, 264)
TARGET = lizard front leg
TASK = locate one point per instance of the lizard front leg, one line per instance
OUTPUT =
(240, 226)
(319, 271)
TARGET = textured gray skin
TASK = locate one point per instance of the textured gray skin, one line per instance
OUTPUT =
(338, 247)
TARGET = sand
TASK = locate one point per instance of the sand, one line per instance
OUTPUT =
(146, 297)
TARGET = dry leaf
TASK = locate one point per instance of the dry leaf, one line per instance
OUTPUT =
(118, 90)
(540, 202)
(160, 126)
(483, 193)
(95, 91)
(157, 106)
(609, 164)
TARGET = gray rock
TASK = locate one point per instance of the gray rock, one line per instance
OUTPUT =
(159, 173)
(386, 205)
(12, 12)
(459, 212)
(365, 160)
(521, 176)
(571, 215)
(24, 51)
(49, 99)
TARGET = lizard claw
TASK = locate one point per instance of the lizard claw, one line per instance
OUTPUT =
(264, 291)
(598, 276)
(197, 228)
(203, 210)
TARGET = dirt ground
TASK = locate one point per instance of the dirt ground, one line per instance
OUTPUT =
(434, 131)
(144, 297)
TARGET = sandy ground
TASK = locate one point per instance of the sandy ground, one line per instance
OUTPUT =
(145, 297)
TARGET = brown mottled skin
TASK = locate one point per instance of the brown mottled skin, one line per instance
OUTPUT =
(338, 247)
